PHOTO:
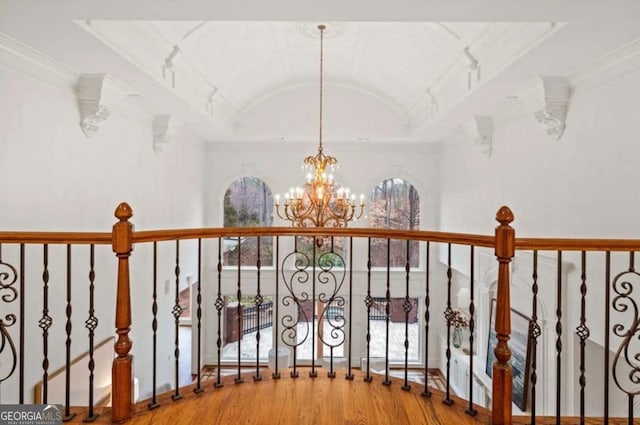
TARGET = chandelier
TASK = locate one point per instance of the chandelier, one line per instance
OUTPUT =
(321, 202)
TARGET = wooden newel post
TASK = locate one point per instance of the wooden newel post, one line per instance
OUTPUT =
(502, 373)
(121, 393)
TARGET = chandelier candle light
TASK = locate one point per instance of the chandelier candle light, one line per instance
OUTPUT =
(322, 202)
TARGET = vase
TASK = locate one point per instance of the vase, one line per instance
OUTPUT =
(456, 340)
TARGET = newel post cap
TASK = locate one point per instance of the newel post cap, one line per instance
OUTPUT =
(122, 234)
(505, 235)
(504, 215)
(123, 212)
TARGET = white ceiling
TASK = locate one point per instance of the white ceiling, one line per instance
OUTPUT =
(235, 60)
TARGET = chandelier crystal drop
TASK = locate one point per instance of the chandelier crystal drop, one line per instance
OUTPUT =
(322, 202)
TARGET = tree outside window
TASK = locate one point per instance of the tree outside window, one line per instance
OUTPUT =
(248, 203)
(394, 204)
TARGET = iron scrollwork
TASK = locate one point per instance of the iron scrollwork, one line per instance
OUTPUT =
(299, 278)
(298, 286)
(331, 281)
(626, 361)
(8, 278)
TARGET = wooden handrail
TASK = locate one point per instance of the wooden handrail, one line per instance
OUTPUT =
(74, 238)
(565, 244)
(361, 232)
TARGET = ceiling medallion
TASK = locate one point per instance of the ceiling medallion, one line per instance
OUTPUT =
(331, 29)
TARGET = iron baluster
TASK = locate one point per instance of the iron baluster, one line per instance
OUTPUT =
(387, 381)
(407, 307)
(22, 312)
(312, 372)
(368, 302)
(276, 372)
(534, 333)
(426, 392)
(238, 379)
(582, 331)
(258, 300)
(198, 388)
(67, 375)
(154, 327)
(448, 314)
(470, 410)
(91, 324)
(349, 375)
(177, 312)
(219, 304)
(45, 323)
(558, 336)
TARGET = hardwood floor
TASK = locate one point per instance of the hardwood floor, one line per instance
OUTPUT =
(305, 400)
(310, 401)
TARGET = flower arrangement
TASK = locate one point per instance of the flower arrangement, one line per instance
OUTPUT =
(459, 319)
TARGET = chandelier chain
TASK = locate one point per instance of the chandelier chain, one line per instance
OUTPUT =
(321, 28)
(322, 202)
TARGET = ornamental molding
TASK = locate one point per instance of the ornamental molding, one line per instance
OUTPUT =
(164, 129)
(332, 29)
(549, 104)
(480, 129)
(547, 98)
(96, 95)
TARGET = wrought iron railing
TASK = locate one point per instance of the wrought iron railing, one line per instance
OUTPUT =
(341, 295)
(257, 317)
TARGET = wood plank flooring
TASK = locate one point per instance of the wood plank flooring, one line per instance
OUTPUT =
(308, 401)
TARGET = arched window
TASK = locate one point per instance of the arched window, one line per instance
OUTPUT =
(248, 203)
(394, 204)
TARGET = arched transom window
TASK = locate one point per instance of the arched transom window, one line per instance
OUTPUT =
(248, 203)
(394, 204)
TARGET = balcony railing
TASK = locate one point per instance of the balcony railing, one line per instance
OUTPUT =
(46, 279)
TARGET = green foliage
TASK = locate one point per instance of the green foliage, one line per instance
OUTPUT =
(230, 213)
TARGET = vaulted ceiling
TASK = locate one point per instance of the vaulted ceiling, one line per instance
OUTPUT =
(407, 73)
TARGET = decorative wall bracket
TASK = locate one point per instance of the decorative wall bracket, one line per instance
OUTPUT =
(97, 93)
(164, 129)
(549, 104)
(480, 128)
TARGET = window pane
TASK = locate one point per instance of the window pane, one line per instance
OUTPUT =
(394, 204)
(337, 246)
(248, 203)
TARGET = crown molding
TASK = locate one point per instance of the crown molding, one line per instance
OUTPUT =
(616, 64)
(27, 61)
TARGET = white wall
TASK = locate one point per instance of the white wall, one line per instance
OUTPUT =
(55, 178)
(583, 185)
